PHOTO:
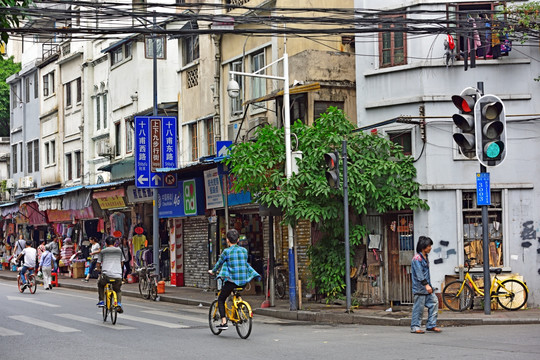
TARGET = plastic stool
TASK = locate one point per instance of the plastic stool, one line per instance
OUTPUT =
(54, 280)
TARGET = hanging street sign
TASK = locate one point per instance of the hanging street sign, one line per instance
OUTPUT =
(155, 148)
(483, 191)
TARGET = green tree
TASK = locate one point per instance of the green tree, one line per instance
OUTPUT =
(7, 68)
(380, 178)
(11, 14)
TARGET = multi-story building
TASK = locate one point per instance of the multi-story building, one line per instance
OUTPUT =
(407, 75)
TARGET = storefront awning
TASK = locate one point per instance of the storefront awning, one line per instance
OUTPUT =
(106, 185)
(57, 192)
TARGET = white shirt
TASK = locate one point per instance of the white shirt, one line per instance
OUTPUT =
(29, 254)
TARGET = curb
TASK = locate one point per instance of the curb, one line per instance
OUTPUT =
(325, 317)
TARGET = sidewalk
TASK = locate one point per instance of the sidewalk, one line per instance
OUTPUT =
(313, 311)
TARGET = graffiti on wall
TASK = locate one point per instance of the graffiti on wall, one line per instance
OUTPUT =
(443, 252)
(528, 235)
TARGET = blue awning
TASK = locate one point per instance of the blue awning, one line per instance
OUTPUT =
(99, 186)
(57, 192)
(8, 204)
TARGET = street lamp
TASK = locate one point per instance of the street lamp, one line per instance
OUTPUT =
(233, 89)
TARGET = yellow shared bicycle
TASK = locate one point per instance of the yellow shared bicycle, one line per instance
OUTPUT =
(111, 301)
(238, 313)
(511, 294)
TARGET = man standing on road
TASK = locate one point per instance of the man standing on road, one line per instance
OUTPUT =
(422, 289)
(29, 262)
(111, 260)
(235, 271)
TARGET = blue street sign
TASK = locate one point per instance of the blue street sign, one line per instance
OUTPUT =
(483, 191)
(222, 148)
(155, 147)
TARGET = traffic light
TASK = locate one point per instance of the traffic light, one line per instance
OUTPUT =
(332, 172)
(465, 139)
(490, 120)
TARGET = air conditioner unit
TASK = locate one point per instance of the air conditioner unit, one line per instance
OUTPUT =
(10, 184)
(103, 148)
(26, 182)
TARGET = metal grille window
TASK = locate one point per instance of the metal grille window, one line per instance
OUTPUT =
(29, 148)
(210, 136)
(27, 89)
(160, 47)
(472, 229)
(68, 94)
(14, 154)
(79, 90)
(36, 155)
(192, 77)
(69, 167)
(236, 103)
(78, 163)
(193, 136)
(392, 44)
(190, 44)
(14, 96)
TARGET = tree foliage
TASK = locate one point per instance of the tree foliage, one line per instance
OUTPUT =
(11, 15)
(7, 68)
(380, 178)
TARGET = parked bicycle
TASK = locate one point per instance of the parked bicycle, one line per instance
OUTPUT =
(238, 312)
(280, 280)
(147, 282)
(31, 283)
(111, 302)
(511, 294)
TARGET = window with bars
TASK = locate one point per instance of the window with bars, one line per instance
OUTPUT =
(160, 47)
(29, 149)
(69, 167)
(27, 89)
(236, 103)
(192, 77)
(14, 149)
(14, 96)
(129, 136)
(392, 44)
(78, 164)
(68, 94)
(210, 136)
(190, 45)
(79, 90)
(194, 142)
(472, 229)
(36, 155)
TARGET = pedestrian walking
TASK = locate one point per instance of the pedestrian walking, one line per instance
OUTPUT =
(422, 289)
(45, 266)
(94, 251)
(126, 251)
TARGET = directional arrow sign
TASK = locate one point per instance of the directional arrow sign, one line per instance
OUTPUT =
(142, 179)
(156, 180)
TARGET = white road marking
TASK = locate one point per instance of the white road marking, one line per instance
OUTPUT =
(153, 322)
(177, 316)
(8, 332)
(98, 322)
(31, 300)
(42, 323)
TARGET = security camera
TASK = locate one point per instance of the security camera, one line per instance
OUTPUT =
(233, 89)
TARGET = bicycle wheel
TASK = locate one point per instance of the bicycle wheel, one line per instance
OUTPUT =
(455, 299)
(281, 285)
(143, 286)
(112, 308)
(214, 319)
(152, 289)
(243, 325)
(32, 285)
(20, 284)
(512, 294)
(105, 310)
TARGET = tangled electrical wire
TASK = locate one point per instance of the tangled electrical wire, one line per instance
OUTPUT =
(90, 19)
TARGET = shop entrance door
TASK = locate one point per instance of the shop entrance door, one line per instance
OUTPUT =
(400, 240)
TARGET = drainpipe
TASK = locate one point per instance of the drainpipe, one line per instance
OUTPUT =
(216, 87)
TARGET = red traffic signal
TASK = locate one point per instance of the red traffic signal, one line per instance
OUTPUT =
(464, 121)
(332, 172)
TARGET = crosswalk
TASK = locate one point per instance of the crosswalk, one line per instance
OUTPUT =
(76, 323)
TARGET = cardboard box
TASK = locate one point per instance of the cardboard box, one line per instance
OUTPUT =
(77, 272)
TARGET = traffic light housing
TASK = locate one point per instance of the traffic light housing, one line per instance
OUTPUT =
(490, 120)
(464, 120)
(332, 172)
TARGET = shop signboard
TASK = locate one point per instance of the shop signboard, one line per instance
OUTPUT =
(212, 187)
(186, 199)
(233, 197)
(137, 195)
(155, 148)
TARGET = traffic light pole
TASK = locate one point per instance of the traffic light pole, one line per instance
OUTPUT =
(485, 250)
(346, 227)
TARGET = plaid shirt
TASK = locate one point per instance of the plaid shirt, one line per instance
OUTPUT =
(234, 266)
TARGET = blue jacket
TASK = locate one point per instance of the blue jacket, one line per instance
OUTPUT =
(420, 274)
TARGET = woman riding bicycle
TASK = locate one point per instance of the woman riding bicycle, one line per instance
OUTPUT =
(235, 271)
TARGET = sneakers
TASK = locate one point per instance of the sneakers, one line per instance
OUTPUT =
(222, 327)
(85, 280)
(119, 308)
(101, 304)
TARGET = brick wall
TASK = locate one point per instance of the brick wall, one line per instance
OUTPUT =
(196, 252)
